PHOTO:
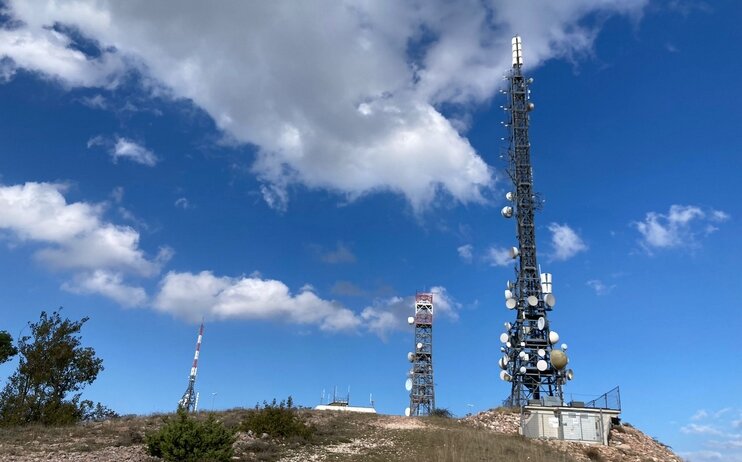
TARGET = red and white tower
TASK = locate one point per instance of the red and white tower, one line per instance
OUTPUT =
(190, 399)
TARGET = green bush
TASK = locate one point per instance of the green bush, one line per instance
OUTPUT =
(278, 420)
(441, 412)
(186, 439)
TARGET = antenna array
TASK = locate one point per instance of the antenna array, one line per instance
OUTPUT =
(531, 361)
(189, 401)
(420, 378)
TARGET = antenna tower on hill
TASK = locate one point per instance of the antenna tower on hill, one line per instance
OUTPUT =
(531, 361)
(189, 401)
(420, 378)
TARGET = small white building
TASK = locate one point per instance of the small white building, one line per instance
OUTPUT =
(581, 424)
(345, 408)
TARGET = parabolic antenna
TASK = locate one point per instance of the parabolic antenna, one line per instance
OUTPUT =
(511, 303)
(503, 362)
(570, 374)
(410, 356)
(504, 337)
(419, 346)
(541, 323)
(532, 300)
(508, 294)
(550, 299)
(559, 359)
(407, 412)
(514, 252)
(408, 384)
(508, 325)
(507, 211)
(508, 344)
(553, 337)
(541, 352)
(505, 376)
(510, 285)
(542, 365)
(564, 346)
(409, 373)
(410, 320)
(522, 369)
(509, 196)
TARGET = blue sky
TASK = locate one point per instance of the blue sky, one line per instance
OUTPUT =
(296, 174)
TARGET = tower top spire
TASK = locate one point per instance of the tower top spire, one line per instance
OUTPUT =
(517, 51)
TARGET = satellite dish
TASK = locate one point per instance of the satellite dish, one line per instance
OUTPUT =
(505, 376)
(564, 346)
(550, 300)
(508, 344)
(514, 252)
(541, 323)
(504, 337)
(410, 356)
(508, 325)
(542, 365)
(541, 352)
(558, 359)
(503, 362)
(553, 337)
(522, 369)
(419, 346)
(410, 320)
(408, 384)
(508, 294)
(507, 211)
(532, 300)
(570, 374)
(407, 412)
(510, 285)
(511, 303)
(509, 196)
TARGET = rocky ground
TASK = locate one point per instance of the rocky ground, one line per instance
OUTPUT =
(488, 436)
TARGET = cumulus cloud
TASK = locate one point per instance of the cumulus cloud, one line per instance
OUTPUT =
(342, 96)
(565, 242)
(699, 429)
(681, 226)
(390, 314)
(498, 256)
(123, 148)
(75, 237)
(465, 252)
(191, 296)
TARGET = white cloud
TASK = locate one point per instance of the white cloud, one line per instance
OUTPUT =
(680, 227)
(465, 252)
(565, 242)
(600, 287)
(75, 237)
(192, 296)
(108, 284)
(387, 315)
(498, 256)
(698, 429)
(700, 414)
(182, 203)
(341, 96)
(123, 148)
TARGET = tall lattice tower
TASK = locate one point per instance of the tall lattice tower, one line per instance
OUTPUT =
(420, 381)
(532, 362)
(189, 401)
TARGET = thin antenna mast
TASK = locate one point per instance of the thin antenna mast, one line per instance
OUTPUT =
(190, 398)
(420, 381)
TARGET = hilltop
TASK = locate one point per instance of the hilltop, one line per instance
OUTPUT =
(490, 436)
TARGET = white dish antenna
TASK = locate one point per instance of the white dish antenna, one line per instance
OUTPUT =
(504, 337)
(408, 384)
(510, 285)
(508, 325)
(410, 356)
(510, 196)
(532, 300)
(511, 303)
(410, 320)
(505, 376)
(508, 344)
(409, 373)
(508, 294)
(570, 374)
(541, 323)
(503, 362)
(553, 337)
(514, 252)
(564, 346)
(407, 412)
(507, 211)
(419, 346)
(541, 352)
(542, 365)
(550, 300)
(522, 369)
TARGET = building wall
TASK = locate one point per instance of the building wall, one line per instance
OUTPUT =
(585, 425)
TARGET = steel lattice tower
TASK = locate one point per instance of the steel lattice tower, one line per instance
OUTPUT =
(422, 391)
(531, 362)
(189, 401)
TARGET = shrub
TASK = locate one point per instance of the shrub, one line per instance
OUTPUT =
(278, 420)
(441, 412)
(186, 439)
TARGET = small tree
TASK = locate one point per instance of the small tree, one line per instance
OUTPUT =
(7, 350)
(185, 439)
(52, 365)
